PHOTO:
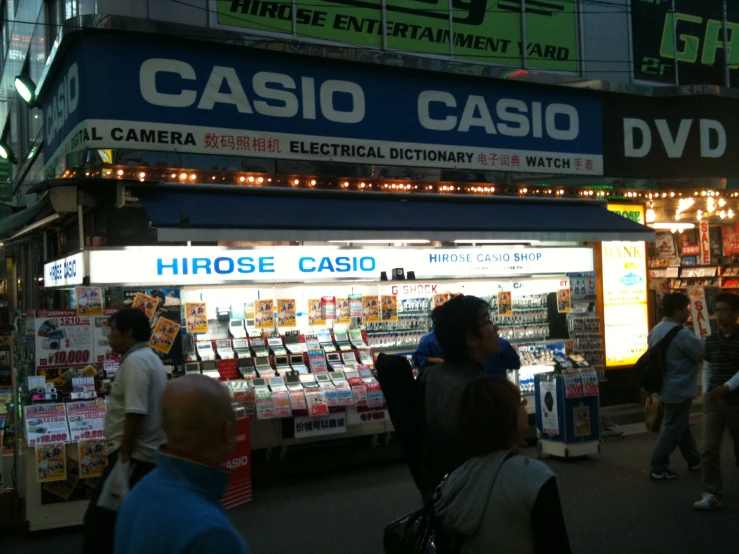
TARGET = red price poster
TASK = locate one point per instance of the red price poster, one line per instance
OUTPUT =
(239, 487)
(86, 419)
(63, 339)
(46, 423)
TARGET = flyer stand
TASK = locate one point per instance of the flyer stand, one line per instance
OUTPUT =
(568, 411)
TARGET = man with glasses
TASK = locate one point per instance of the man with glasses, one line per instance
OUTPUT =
(467, 337)
(133, 428)
(721, 409)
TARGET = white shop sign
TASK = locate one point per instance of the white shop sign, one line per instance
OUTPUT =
(201, 265)
(65, 272)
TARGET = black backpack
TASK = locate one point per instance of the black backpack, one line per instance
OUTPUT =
(651, 364)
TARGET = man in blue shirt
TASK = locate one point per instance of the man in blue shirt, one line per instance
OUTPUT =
(177, 509)
(500, 363)
(679, 388)
(428, 352)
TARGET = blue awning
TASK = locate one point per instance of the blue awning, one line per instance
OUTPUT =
(230, 213)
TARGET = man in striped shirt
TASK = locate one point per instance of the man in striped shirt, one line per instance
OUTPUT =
(720, 384)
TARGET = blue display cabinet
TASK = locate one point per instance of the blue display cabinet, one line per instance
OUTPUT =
(568, 413)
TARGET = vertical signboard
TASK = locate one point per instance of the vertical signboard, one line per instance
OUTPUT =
(625, 294)
(699, 312)
(704, 242)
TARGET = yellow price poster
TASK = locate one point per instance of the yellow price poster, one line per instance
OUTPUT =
(505, 302)
(286, 312)
(315, 312)
(343, 311)
(564, 301)
(196, 317)
(51, 462)
(370, 309)
(148, 304)
(264, 314)
(389, 308)
(89, 301)
(93, 456)
(164, 335)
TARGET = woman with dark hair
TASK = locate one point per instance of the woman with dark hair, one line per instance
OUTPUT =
(500, 501)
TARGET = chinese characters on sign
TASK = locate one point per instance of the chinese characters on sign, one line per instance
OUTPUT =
(330, 424)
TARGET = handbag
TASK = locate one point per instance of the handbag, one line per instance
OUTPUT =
(654, 413)
(419, 532)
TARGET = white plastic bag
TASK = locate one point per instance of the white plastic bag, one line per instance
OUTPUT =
(115, 488)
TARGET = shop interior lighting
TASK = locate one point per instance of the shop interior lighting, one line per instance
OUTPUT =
(495, 241)
(650, 216)
(25, 88)
(670, 226)
(382, 241)
(6, 153)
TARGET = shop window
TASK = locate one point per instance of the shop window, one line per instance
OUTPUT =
(4, 32)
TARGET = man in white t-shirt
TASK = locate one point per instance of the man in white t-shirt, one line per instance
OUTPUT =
(133, 421)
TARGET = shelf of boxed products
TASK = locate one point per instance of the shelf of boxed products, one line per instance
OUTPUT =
(680, 276)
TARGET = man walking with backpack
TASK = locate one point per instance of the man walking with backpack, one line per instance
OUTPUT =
(679, 386)
(721, 408)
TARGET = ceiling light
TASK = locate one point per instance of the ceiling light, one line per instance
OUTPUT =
(680, 226)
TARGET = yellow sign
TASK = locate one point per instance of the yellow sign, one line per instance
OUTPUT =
(196, 317)
(624, 272)
(51, 462)
(627, 328)
(630, 211)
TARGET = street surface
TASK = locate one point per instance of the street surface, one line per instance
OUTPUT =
(610, 506)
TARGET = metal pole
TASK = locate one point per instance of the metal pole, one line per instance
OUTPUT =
(451, 29)
(80, 226)
(674, 43)
(46, 249)
(384, 24)
(727, 46)
(524, 45)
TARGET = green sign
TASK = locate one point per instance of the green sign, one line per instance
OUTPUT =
(478, 30)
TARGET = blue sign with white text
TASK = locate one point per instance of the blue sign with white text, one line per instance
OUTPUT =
(192, 97)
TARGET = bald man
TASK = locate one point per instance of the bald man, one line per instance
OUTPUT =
(177, 507)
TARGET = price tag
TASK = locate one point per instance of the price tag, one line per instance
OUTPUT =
(62, 338)
(46, 423)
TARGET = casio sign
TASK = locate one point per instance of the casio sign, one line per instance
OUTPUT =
(236, 463)
(440, 111)
(272, 94)
(64, 103)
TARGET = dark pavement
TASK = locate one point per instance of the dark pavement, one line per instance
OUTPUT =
(609, 502)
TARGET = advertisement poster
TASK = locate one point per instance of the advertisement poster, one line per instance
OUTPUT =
(286, 312)
(147, 304)
(68, 489)
(700, 51)
(168, 307)
(93, 456)
(730, 239)
(665, 244)
(86, 419)
(315, 312)
(328, 306)
(264, 314)
(440, 299)
(239, 486)
(389, 308)
(355, 305)
(196, 317)
(573, 383)
(89, 301)
(483, 31)
(63, 338)
(371, 309)
(549, 413)
(564, 302)
(101, 351)
(589, 378)
(626, 330)
(624, 272)
(699, 312)
(343, 311)
(51, 462)
(46, 423)
(581, 415)
(704, 242)
(164, 335)
(505, 303)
